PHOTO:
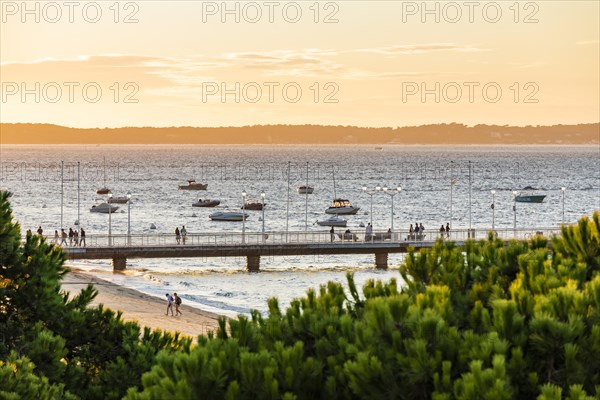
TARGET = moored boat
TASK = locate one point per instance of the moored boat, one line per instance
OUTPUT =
(253, 205)
(193, 185)
(305, 189)
(206, 203)
(118, 200)
(333, 221)
(530, 198)
(342, 207)
(103, 208)
(228, 216)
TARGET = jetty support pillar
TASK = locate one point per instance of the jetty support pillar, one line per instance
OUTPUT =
(253, 263)
(381, 260)
(119, 263)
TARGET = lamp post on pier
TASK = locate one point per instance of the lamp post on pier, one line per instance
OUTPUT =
(562, 189)
(371, 193)
(244, 194)
(128, 218)
(514, 193)
(109, 195)
(392, 193)
(262, 196)
(493, 207)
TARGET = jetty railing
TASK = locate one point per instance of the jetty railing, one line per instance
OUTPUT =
(340, 236)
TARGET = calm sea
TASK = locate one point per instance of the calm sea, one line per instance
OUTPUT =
(152, 173)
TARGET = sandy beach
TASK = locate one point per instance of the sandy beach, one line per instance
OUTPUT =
(139, 307)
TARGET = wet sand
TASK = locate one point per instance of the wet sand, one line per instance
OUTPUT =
(139, 307)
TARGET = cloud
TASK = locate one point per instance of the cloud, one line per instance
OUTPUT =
(422, 49)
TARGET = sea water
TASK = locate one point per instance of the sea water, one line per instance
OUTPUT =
(449, 184)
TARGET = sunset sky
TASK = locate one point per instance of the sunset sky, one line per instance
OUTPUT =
(368, 65)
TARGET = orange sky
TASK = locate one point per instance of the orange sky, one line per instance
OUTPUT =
(375, 63)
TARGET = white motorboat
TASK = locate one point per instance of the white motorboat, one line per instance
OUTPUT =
(305, 189)
(193, 185)
(103, 208)
(206, 203)
(228, 216)
(342, 207)
(333, 221)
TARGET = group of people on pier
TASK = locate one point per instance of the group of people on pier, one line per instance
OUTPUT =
(74, 237)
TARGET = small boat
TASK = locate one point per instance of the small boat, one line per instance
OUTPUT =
(228, 216)
(530, 198)
(253, 205)
(305, 189)
(333, 221)
(103, 208)
(206, 203)
(193, 185)
(118, 200)
(342, 206)
(103, 190)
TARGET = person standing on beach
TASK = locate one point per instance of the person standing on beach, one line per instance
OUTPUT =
(169, 304)
(177, 304)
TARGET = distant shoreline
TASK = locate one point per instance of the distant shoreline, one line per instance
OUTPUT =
(424, 135)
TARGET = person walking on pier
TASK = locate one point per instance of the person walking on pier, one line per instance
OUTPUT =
(183, 234)
(442, 231)
(169, 304)
(82, 238)
(40, 231)
(70, 236)
(63, 237)
(447, 230)
(177, 235)
(368, 232)
(332, 234)
(177, 304)
(56, 240)
(75, 238)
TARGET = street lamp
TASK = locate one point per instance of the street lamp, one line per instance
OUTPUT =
(128, 218)
(392, 194)
(562, 189)
(514, 193)
(244, 194)
(370, 193)
(109, 195)
(263, 195)
(493, 207)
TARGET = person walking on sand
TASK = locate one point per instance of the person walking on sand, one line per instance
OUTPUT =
(177, 304)
(177, 235)
(169, 304)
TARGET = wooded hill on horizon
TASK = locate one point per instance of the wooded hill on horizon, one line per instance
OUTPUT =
(454, 133)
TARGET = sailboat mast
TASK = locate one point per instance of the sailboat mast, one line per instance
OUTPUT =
(334, 191)
(306, 202)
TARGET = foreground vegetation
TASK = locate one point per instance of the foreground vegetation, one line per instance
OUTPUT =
(487, 321)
